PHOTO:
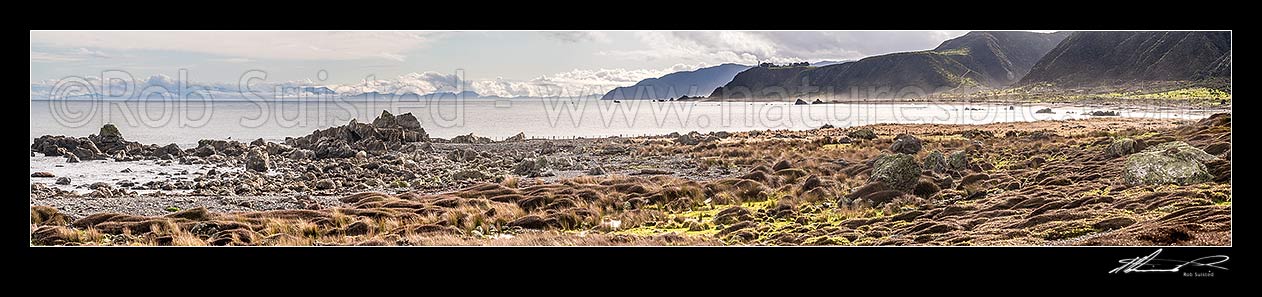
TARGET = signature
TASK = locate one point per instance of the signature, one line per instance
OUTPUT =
(1151, 263)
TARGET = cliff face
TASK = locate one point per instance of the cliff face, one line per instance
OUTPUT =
(977, 59)
(1108, 58)
(695, 83)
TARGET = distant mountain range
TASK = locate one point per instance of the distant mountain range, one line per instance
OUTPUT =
(826, 63)
(1111, 58)
(694, 83)
(977, 59)
(435, 95)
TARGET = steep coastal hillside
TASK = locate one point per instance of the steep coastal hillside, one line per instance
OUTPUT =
(1086, 59)
(694, 83)
(975, 60)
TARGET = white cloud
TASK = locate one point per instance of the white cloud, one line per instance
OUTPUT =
(577, 82)
(42, 57)
(67, 56)
(749, 47)
(578, 36)
(233, 60)
(286, 45)
(93, 53)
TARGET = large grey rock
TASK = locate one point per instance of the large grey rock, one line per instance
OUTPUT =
(530, 167)
(258, 160)
(898, 171)
(1168, 163)
(935, 162)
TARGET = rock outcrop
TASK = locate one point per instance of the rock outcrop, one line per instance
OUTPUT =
(387, 132)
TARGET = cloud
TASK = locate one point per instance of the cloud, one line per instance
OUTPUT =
(93, 53)
(164, 86)
(284, 45)
(233, 60)
(750, 47)
(577, 82)
(42, 57)
(67, 56)
(577, 36)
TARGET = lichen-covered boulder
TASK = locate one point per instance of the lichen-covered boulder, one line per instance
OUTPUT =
(1168, 163)
(1183, 150)
(1122, 147)
(898, 171)
(935, 162)
(958, 161)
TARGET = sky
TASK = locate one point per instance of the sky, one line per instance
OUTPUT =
(503, 63)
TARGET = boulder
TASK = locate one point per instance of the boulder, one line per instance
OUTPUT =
(110, 134)
(258, 160)
(1168, 163)
(935, 162)
(386, 120)
(1183, 150)
(898, 171)
(325, 184)
(409, 122)
(519, 137)
(1122, 147)
(1045, 110)
(1108, 113)
(42, 174)
(63, 180)
(170, 149)
(530, 167)
(906, 144)
(471, 139)
(862, 133)
(958, 161)
(302, 154)
(692, 138)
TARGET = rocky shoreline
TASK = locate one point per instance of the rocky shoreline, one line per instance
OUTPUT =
(1104, 181)
(391, 154)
